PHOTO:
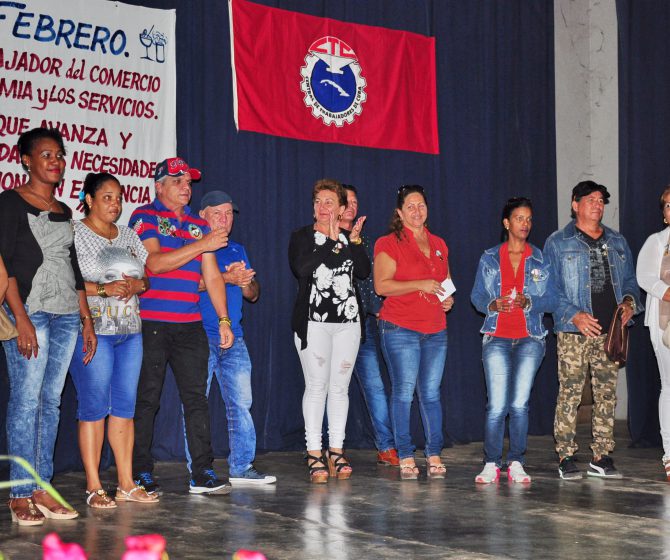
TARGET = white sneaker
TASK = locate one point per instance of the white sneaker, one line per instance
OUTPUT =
(490, 474)
(515, 472)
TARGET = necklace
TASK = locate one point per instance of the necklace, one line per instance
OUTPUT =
(46, 201)
(98, 231)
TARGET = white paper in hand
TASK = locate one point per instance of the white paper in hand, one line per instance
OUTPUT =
(448, 287)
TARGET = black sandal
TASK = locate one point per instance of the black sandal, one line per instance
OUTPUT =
(338, 465)
(317, 475)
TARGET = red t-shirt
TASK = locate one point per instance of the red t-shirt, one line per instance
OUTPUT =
(512, 324)
(416, 311)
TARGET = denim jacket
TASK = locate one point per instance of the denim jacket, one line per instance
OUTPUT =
(570, 257)
(538, 287)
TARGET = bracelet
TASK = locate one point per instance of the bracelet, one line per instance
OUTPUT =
(101, 290)
(84, 317)
(357, 241)
(631, 303)
(145, 284)
(225, 321)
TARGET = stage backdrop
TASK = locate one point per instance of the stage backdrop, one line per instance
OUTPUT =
(495, 94)
(644, 170)
(101, 72)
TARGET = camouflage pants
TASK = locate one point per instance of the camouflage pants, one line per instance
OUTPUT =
(578, 356)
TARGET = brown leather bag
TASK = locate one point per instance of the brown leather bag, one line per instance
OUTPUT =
(7, 328)
(616, 342)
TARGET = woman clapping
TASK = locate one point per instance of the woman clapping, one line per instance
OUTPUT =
(326, 322)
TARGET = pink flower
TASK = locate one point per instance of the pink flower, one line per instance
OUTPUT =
(141, 555)
(248, 555)
(152, 543)
(145, 547)
(55, 549)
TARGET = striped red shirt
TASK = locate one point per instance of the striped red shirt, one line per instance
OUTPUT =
(173, 296)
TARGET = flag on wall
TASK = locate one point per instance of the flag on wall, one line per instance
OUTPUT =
(319, 79)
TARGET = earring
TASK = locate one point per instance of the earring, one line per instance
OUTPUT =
(665, 221)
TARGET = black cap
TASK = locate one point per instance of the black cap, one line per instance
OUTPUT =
(585, 188)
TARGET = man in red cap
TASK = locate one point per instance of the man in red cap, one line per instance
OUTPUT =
(180, 246)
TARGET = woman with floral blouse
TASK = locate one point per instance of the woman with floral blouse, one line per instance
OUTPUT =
(326, 322)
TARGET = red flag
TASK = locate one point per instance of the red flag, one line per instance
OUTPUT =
(319, 79)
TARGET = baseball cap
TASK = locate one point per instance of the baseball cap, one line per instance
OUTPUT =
(214, 198)
(585, 188)
(175, 167)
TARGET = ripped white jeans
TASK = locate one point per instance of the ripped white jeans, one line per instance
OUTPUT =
(663, 359)
(327, 364)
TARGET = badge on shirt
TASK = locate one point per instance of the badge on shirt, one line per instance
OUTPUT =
(165, 227)
(138, 227)
(195, 231)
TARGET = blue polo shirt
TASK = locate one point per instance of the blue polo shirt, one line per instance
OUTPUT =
(173, 296)
(233, 252)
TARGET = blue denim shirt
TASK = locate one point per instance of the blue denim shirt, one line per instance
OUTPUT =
(538, 286)
(570, 257)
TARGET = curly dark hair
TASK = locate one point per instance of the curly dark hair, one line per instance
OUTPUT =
(403, 192)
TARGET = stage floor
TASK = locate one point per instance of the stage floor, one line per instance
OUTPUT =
(375, 515)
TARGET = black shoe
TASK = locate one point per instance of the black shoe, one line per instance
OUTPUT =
(567, 469)
(603, 468)
(208, 483)
(146, 480)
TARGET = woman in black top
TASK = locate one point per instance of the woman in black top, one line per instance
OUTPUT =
(326, 322)
(46, 301)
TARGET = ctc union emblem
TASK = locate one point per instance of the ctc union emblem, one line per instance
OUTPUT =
(332, 82)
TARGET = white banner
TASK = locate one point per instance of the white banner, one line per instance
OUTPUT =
(101, 72)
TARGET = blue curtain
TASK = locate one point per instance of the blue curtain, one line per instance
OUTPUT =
(644, 171)
(495, 68)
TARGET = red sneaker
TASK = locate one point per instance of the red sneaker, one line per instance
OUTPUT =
(388, 458)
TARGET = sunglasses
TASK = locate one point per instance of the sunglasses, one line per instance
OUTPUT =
(412, 188)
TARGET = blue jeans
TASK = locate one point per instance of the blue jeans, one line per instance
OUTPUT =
(108, 384)
(35, 387)
(510, 365)
(369, 377)
(415, 362)
(232, 368)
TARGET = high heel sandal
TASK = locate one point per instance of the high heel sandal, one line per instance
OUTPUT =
(409, 470)
(436, 470)
(50, 508)
(24, 512)
(338, 465)
(317, 474)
